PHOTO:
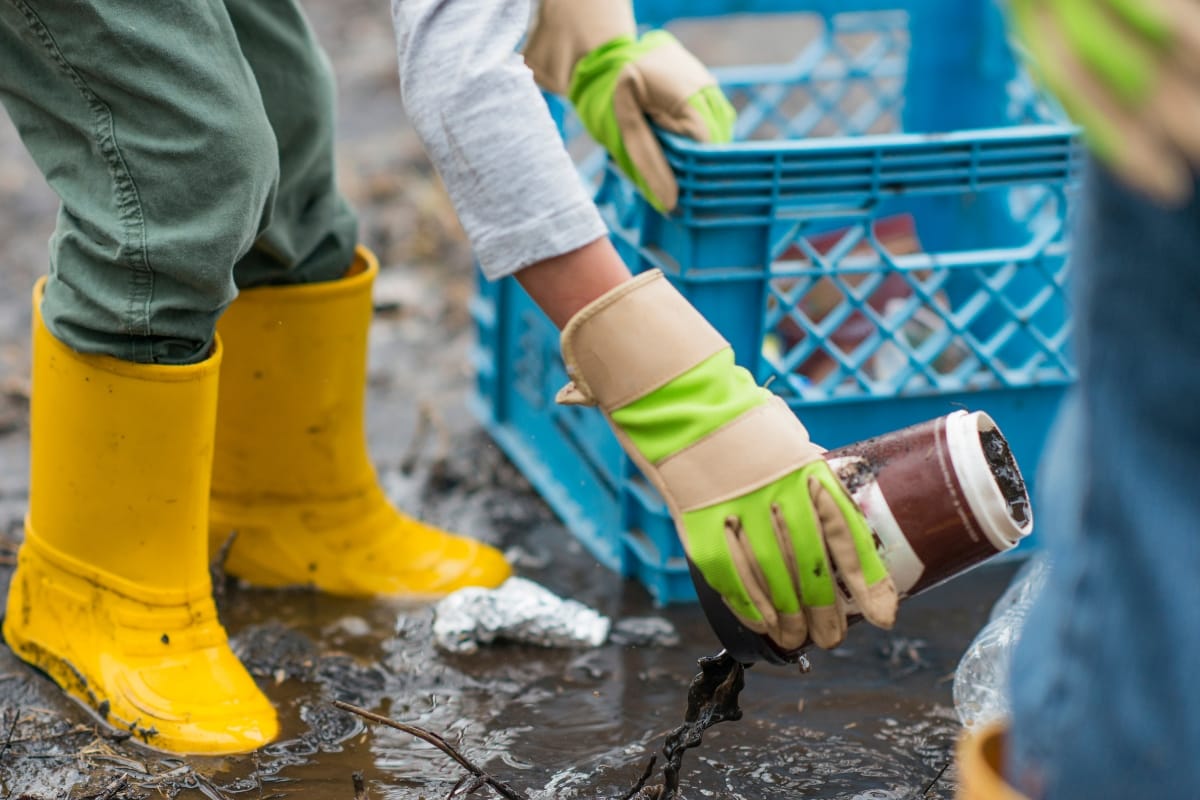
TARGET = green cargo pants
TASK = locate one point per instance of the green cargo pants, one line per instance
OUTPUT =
(191, 145)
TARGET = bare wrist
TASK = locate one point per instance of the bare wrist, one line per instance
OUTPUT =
(564, 284)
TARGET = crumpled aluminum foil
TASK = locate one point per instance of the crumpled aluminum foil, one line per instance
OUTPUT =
(519, 611)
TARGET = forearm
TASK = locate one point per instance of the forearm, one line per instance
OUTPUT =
(563, 285)
(486, 128)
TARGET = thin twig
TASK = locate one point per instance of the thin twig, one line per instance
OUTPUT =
(646, 773)
(457, 785)
(501, 788)
(360, 788)
(12, 728)
(208, 788)
(936, 778)
(111, 790)
(474, 785)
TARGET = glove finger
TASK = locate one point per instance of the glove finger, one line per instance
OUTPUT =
(648, 166)
(689, 119)
(718, 112)
(827, 624)
(1147, 17)
(745, 564)
(798, 527)
(705, 117)
(824, 622)
(725, 113)
(718, 554)
(852, 549)
(1185, 30)
(1130, 148)
(793, 624)
(1124, 142)
(1176, 107)
(1119, 55)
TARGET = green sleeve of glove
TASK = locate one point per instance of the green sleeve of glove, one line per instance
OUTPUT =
(692, 406)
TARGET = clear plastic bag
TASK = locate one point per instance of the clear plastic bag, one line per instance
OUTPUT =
(981, 680)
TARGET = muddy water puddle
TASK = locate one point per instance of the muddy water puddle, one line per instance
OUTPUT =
(872, 720)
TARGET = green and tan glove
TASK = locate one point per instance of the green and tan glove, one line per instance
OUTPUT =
(1128, 71)
(759, 511)
(589, 51)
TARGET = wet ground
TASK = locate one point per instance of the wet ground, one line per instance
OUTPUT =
(872, 720)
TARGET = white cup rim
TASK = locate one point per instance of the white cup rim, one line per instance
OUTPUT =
(975, 476)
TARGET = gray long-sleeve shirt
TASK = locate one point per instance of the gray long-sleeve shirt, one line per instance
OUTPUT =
(488, 132)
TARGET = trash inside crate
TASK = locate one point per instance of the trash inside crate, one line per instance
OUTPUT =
(884, 242)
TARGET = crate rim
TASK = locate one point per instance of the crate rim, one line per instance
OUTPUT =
(1038, 134)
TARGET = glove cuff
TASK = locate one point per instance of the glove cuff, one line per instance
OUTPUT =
(632, 340)
(567, 30)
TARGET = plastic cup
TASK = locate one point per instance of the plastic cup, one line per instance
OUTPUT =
(942, 497)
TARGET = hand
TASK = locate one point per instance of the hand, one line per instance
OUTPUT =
(590, 51)
(1128, 71)
(759, 511)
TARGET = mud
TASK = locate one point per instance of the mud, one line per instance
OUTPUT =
(711, 699)
(855, 473)
(1008, 476)
(872, 720)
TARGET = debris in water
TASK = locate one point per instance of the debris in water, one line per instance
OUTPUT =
(480, 778)
(904, 655)
(350, 625)
(118, 784)
(712, 698)
(518, 611)
(644, 632)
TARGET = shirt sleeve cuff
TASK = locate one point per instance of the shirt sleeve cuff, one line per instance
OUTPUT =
(503, 253)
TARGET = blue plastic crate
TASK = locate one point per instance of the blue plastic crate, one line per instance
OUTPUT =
(875, 278)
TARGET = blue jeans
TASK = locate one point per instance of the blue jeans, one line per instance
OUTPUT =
(1106, 679)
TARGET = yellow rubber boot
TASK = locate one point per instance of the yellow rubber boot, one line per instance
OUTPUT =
(981, 766)
(292, 476)
(111, 596)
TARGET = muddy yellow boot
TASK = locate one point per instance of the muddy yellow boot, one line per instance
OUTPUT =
(111, 596)
(981, 766)
(292, 475)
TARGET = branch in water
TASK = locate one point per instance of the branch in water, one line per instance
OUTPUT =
(483, 778)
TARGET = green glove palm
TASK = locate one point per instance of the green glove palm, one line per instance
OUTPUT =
(760, 512)
(622, 84)
(1128, 71)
